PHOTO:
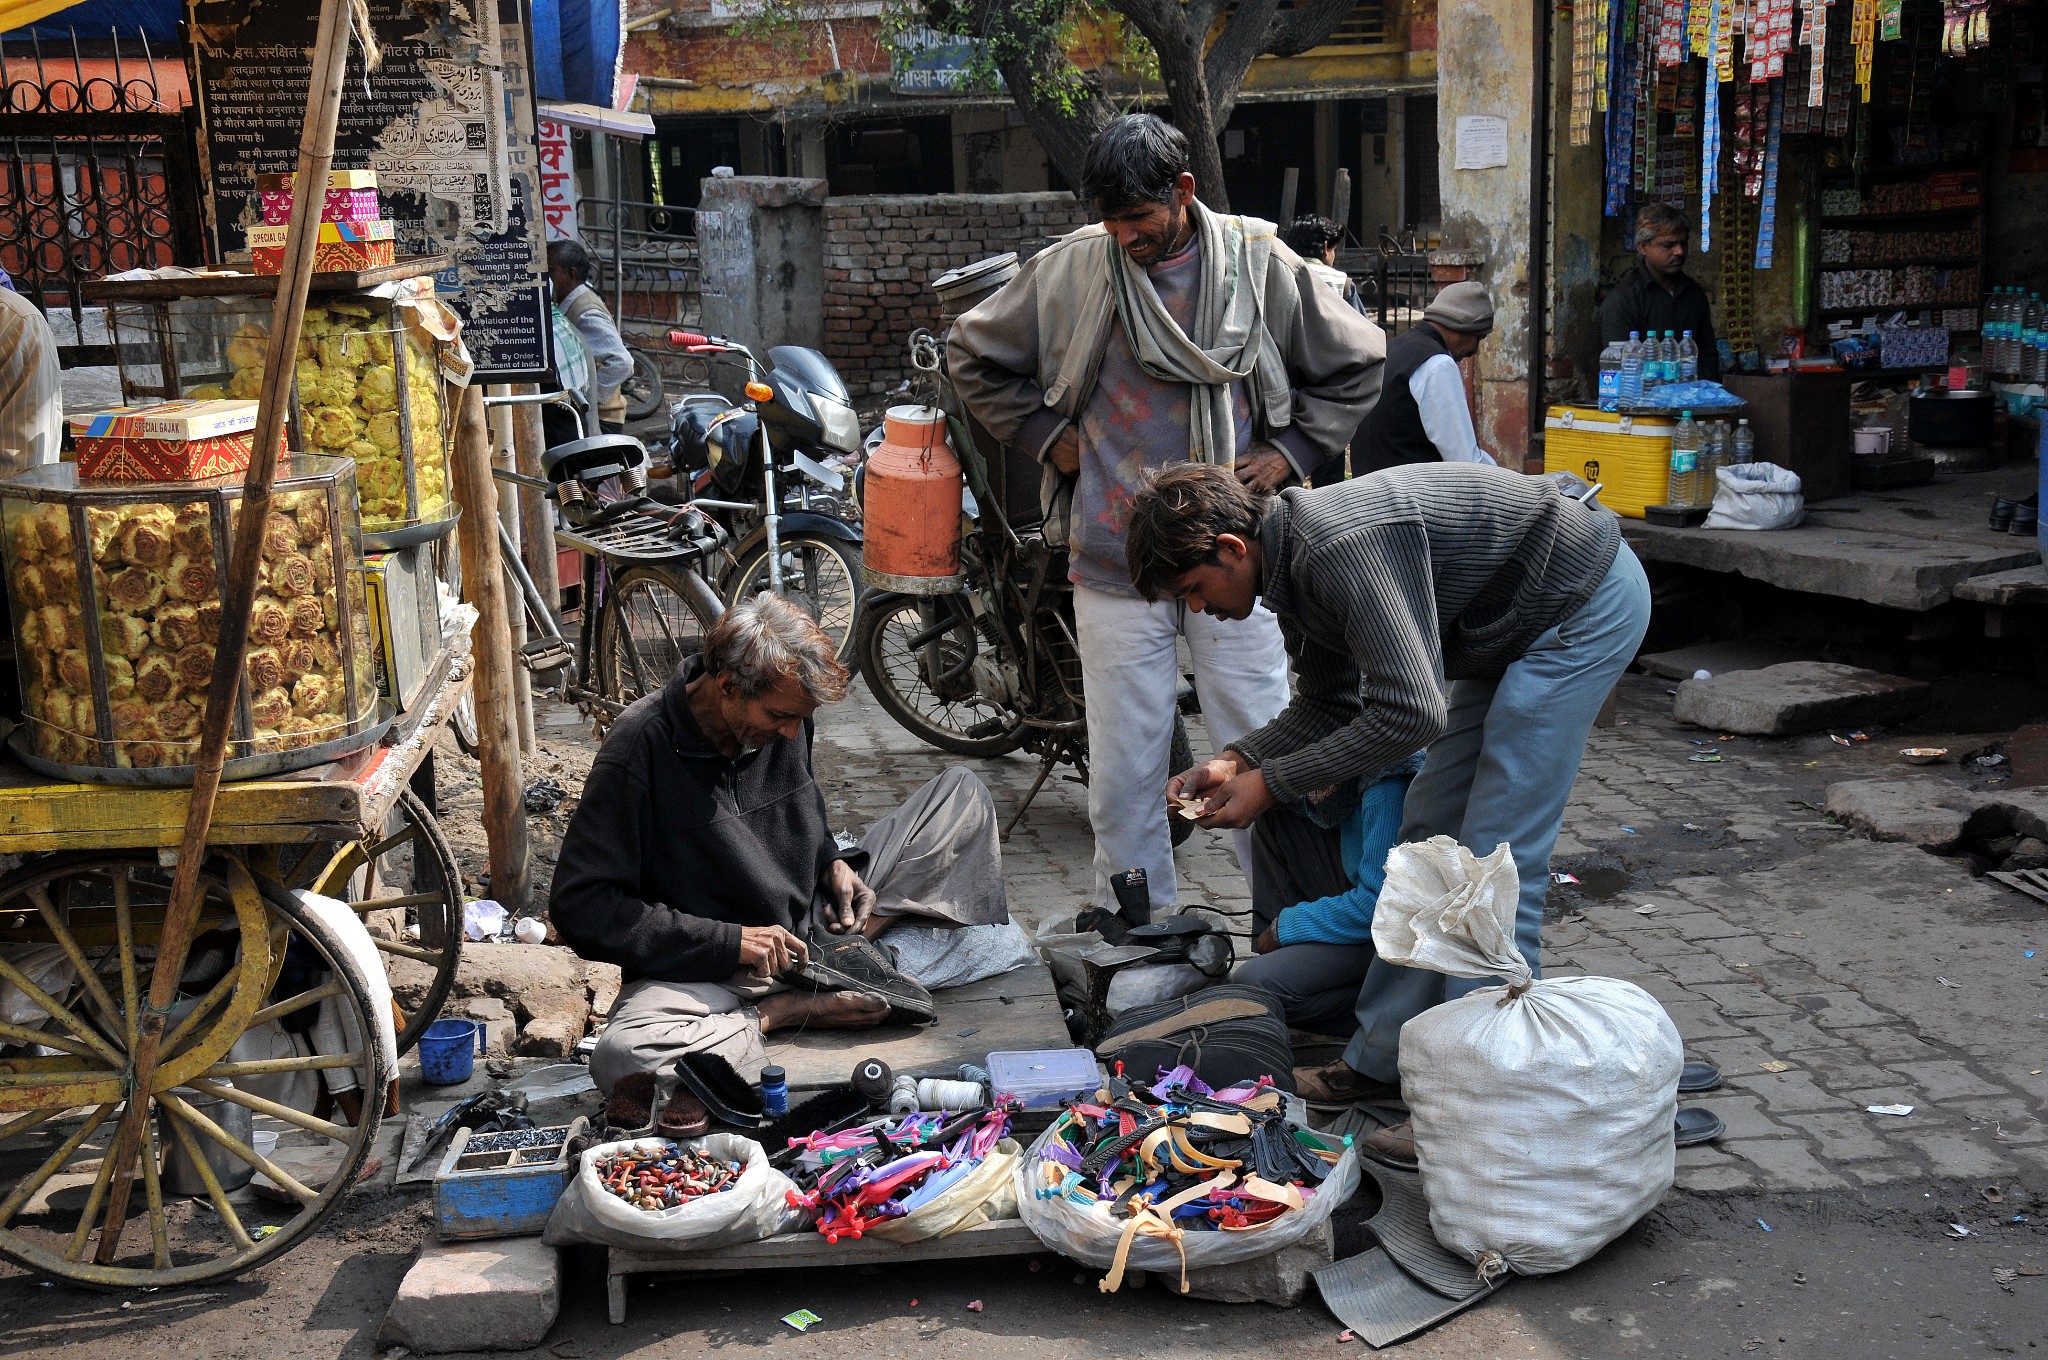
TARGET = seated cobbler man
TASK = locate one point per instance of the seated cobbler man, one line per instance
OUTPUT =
(701, 862)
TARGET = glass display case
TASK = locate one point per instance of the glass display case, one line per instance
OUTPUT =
(365, 387)
(116, 590)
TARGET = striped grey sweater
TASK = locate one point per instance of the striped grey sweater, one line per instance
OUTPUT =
(1390, 583)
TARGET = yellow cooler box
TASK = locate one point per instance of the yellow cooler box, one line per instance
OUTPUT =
(1630, 454)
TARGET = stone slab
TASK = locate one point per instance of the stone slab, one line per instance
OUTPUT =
(1931, 813)
(476, 1296)
(1719, 658)
(1892, 569)
(1798, 696)
(1280, 1278)
(2021, 586)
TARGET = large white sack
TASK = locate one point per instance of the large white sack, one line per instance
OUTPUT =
(756, 1207)
(1542, 1110)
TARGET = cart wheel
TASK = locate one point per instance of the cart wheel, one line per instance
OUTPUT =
(415, 882)
(273, 1008)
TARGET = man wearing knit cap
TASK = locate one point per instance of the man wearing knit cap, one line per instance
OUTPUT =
(1422, 416)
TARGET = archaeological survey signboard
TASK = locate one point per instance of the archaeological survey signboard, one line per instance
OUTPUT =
(446, 121)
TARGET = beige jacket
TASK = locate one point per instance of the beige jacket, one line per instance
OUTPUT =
(1025, 360)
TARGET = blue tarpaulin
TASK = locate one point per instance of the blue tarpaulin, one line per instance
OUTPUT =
(97, 20)
(576, 50)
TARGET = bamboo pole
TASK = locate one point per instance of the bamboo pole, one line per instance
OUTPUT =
(483, 576)
(503, 456)
(316, 157)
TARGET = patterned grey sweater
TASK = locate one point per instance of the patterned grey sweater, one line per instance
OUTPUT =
(1391, 583)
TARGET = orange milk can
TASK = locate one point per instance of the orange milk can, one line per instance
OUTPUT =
(910, 508)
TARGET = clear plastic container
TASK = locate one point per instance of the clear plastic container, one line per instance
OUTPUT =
(1040, 1078)
(116, 594)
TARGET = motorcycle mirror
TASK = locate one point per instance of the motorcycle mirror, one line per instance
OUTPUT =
(760, 391)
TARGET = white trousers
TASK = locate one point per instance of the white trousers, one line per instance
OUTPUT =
(1129, 675)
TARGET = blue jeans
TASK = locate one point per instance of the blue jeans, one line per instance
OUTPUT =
(1502, 771)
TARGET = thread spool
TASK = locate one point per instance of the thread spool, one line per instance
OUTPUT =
(903, 1095)
(936, 1093)
(977, 1075)
(873, 1079)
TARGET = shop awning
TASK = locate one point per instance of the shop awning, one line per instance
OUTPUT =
(157, 19)
(577, 43)
(637, 127)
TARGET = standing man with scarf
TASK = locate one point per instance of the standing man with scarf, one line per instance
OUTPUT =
(1168, 333)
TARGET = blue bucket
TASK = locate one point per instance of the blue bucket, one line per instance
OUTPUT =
(448, 1051)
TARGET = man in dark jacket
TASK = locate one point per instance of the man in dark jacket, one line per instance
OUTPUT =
(1658, 295)
(701, 861)
(1422, 416)
(1386, 586)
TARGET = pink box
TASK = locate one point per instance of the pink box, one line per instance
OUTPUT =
(351, 197)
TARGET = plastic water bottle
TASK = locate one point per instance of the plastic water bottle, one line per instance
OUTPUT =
(1997, 311)
(1744, 443)
(2037, 339)
(1610, 375)
(1685, 463)
(1688, 359)
(1671, 356)
(1653, 361)
(1633, 365)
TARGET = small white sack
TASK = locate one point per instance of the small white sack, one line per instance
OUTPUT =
(1542, 1111)
(756, 1207)
(1756, 496)
(953, 956)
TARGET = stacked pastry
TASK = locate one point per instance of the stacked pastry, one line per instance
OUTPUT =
(156, 580)
(348, 404)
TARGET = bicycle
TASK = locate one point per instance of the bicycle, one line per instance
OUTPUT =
(647, 604)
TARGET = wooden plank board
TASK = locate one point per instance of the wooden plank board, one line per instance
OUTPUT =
(1017, 1010)
(257, 285)
(807, 1250)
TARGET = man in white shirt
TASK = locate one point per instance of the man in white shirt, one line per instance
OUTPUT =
(569, 270)
(1422, 416)
(31, 386)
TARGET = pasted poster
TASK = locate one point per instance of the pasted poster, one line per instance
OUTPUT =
(557, 178)
(446, 121)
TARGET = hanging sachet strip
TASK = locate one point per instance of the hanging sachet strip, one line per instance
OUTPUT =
(1710, 136)
(1767, 214)
(1621, 117)
(1603, 12)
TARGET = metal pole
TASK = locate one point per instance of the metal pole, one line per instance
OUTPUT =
(316, 157)
(618, 237)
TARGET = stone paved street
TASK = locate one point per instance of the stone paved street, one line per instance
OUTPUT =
(1861, 973)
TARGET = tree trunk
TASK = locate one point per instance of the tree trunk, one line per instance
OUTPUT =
(1063, 107)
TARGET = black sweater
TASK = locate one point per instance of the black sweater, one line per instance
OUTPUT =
(674, 847)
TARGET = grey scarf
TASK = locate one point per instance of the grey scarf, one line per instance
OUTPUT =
(1230, 343)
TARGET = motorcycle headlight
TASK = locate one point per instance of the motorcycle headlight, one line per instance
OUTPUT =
(840, 425)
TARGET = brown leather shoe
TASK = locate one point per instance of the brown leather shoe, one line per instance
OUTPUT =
(1393, 1145)
(1338, 1083)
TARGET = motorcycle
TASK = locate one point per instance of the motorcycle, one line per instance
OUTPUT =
(789, 448)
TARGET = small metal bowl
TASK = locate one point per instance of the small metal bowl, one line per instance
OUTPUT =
(1922, 755)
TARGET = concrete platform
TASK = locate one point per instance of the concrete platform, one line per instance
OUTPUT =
(1017, 1010)
(1910, 548)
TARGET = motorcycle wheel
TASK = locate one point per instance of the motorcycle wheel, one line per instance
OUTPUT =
(643, 391)
(940, 712)
(821, 574)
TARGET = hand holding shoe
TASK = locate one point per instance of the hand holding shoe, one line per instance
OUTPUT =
(770, 951)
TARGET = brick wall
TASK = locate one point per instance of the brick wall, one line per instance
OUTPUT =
(882, 253)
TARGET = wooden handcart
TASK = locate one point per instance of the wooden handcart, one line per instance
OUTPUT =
(88, 901)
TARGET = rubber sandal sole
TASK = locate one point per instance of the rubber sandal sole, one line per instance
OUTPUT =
(1201, 1013)
(1697, 1124)
(1695, 1077)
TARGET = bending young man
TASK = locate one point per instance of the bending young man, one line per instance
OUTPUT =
(1385, 586)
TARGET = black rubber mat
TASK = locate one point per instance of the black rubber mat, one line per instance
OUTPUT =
(1402, 1227)
(1383, 1304)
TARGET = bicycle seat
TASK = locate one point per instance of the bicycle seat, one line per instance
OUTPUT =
(594, 458)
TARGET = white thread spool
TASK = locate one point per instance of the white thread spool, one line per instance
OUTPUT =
(936, 1093)
(903, 1095)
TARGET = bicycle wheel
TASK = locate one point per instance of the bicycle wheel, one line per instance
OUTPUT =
(642, 391)
(653, 620)
(821, 574)
(930, 690)
(276, 1006)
